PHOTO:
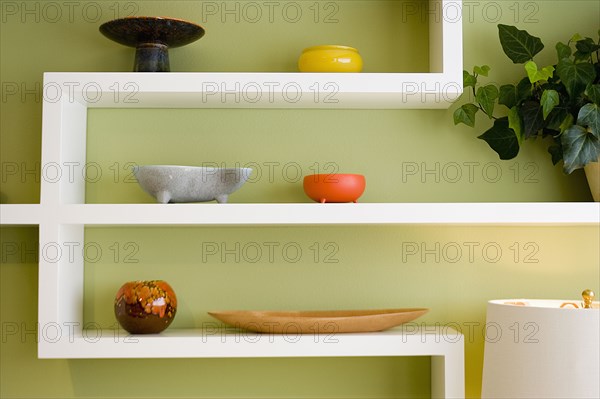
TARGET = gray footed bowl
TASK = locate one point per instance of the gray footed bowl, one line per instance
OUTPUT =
(173, 183)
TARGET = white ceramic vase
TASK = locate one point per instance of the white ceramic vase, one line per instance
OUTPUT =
(592, 172)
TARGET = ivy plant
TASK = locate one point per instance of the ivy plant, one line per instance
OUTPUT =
(560, 102)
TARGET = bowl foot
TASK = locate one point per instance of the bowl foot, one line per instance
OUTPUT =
(163, 197)
(151, 57)
(222, 199)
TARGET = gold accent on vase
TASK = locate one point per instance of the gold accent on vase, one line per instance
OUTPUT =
(565, 304)
(588, 298)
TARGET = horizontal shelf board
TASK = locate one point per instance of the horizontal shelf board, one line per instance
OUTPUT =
(229, 343)
(254, 90)
(305, 214)
(21, 214)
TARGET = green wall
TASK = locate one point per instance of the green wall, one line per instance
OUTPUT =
(350, 267)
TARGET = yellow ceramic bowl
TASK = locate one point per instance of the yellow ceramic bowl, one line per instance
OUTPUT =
(330, 58)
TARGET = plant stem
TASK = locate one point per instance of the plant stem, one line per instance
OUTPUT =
(483, 110)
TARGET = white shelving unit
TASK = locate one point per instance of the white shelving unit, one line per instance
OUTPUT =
(62, 213)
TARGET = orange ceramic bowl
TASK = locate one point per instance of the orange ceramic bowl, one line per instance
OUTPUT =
(334, 187)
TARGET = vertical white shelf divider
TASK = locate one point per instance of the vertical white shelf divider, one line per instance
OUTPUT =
(61, 263)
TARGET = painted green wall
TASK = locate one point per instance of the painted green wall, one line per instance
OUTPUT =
(351, 267)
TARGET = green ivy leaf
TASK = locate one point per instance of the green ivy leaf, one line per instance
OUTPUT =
(502, 139)
(566, 123)
(586, 46)
(486, 96)
(514, 122)
(524, 88)
(589, 115)
(575, 77)
(549, 100)
(593, 93)
(555, 151)
(508, 95)
(469, 80)
(580, 56)
(466, 115)
(517, 44)
(555, 119)
(535, 74)
(531, 112)
(579, 148)
(482, 70)
(547, 72)
(511, 95)
(563, 50)
(576, 37)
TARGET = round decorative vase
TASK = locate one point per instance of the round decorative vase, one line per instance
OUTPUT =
(330, 58)
(145, 307)
(592, 172)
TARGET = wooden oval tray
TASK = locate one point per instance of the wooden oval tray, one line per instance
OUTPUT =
(314, 322)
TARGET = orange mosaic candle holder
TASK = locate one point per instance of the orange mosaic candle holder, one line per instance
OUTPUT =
(145, 307)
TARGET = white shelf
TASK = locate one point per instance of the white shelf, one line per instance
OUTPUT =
(437, 88)
(257, 90)
(21, 214)
(231, 343)
(444, 345)
(546, 213)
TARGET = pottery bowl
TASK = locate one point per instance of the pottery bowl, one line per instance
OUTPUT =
(172, 183)
(334, 187)
(330, 58)
(145, 307)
